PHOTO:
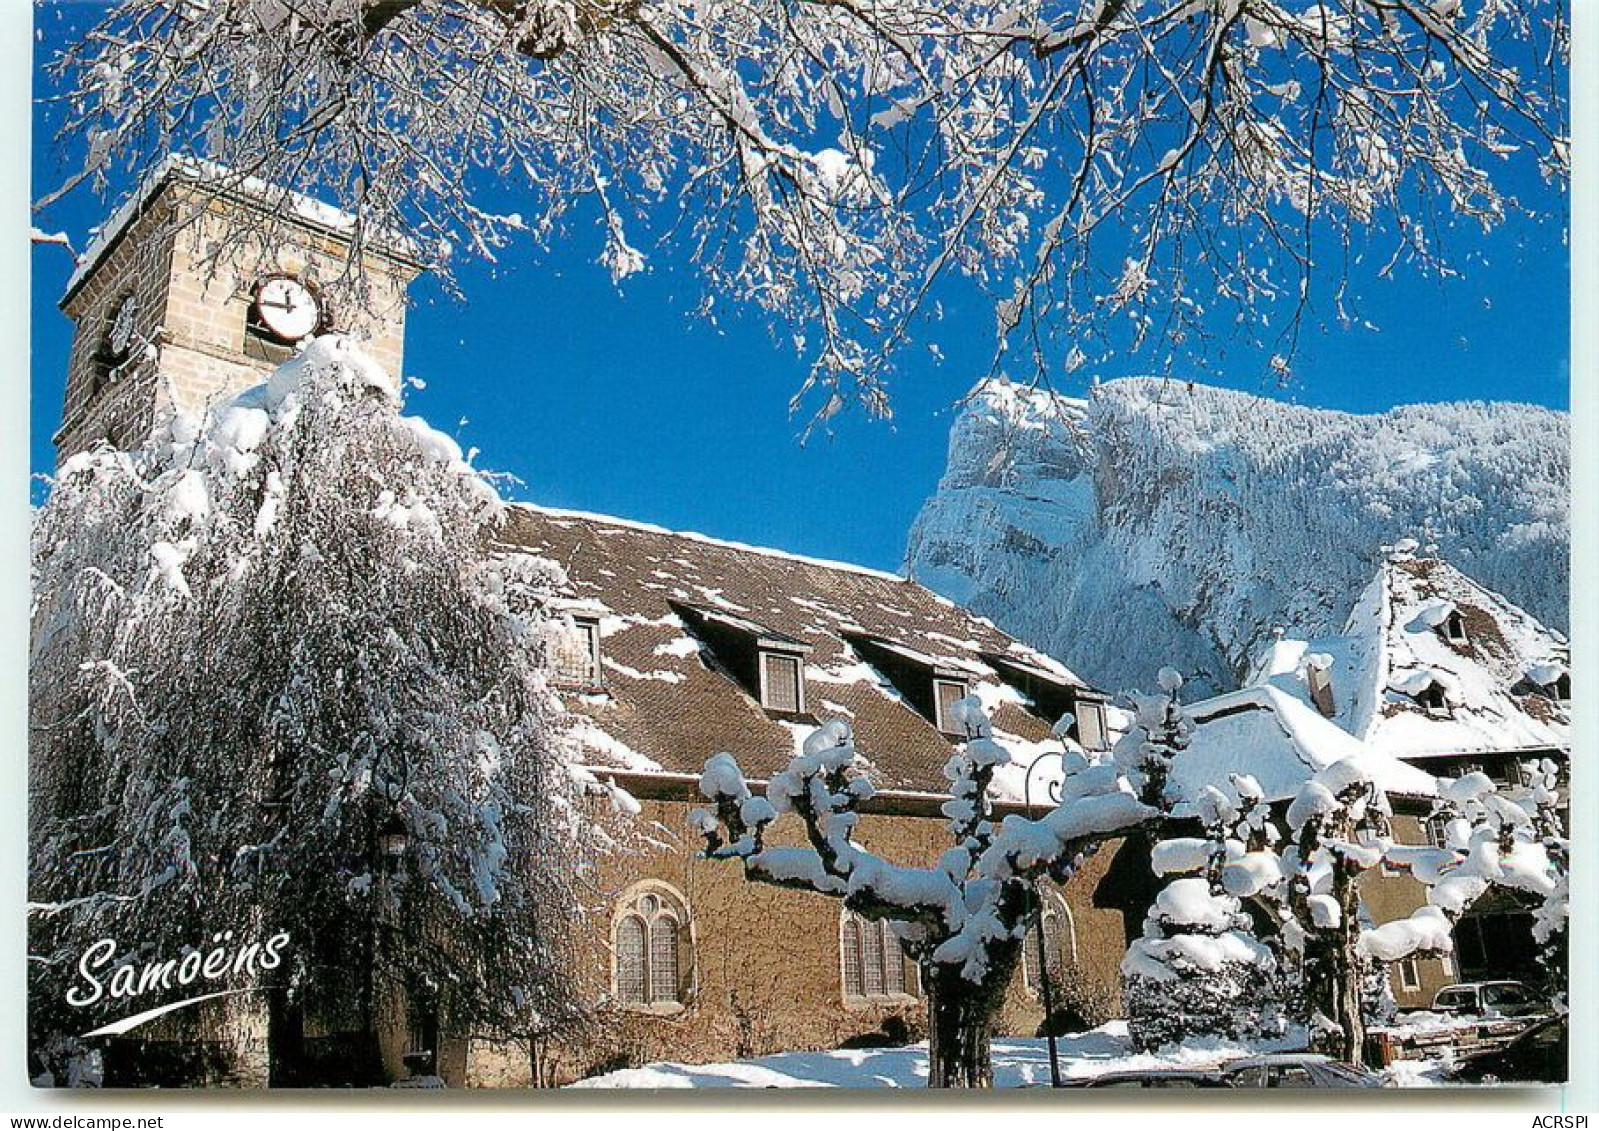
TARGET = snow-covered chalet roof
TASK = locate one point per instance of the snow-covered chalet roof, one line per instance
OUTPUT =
(1431, 663)
(668, 700)
(1282, 742)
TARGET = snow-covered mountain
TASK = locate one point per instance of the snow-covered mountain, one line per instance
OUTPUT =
(1161, 523)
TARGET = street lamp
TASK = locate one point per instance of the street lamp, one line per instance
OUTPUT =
(1045, 981)
(393, 840)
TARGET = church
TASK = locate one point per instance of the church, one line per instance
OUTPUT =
(681, 646)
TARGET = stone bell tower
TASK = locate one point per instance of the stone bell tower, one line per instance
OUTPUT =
(174, 312)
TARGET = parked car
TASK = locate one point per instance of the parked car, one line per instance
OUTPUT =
(1296, 1070)
(1538, 1054)
(1488, 999)
(1156, 1078)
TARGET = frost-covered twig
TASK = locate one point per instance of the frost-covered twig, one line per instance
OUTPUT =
(1100, 170)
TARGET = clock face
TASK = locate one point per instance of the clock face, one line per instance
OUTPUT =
(122, 327)
(287, 308)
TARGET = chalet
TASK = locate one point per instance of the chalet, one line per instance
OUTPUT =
(1444, 674)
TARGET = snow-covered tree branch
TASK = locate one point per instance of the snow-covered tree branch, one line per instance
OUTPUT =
(1098, 168)
(1340, 828)
(1494, 836)
(262, 644)
(964, 919)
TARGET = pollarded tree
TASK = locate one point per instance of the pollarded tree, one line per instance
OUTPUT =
(1340, 829)
(262, 647)
(964, 919)
(1082, 161)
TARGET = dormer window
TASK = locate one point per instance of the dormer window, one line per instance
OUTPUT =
(1053, 694)
(930, 686)
(768, 665)
(782, 685)
(1092, 733)
(1551, 680)
(1444, 618)
(1433, 700)
(947, 693)
(577, 655)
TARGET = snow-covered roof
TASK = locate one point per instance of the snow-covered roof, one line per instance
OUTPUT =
(1282, 742)
(1396, 646)
(620, 524)
(676, 692)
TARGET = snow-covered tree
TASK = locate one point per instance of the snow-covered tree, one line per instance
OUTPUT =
(1339, 829)
(1160, 732)
(1496, 836)
(964, 919)
(1340, 826)
(1086, 163)
(1198, 969)
(265, 648)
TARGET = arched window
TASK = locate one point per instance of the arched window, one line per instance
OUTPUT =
(653, 949)
(873, 963)
(1060, 943)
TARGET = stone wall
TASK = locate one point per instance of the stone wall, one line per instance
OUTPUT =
(766, 965)
(193, 308)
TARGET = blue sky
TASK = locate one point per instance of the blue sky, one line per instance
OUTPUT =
(619, 400)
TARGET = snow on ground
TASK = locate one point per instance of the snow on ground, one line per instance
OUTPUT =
(1415, 1074)
(1018, 1062)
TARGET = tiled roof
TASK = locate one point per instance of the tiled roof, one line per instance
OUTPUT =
(669, 700)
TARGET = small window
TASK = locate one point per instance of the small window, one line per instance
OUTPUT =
(1091, 734)
(1409, 974)
(577, 656)
(872, 962)
(1454, 627)
(1561, 688)
(782, 689)
(1433, 700)
(947, 693)
(650, 941)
